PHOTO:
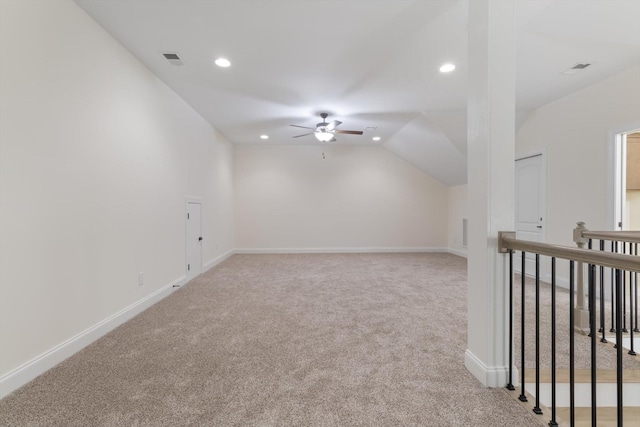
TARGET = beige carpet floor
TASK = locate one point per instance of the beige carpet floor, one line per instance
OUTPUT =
(283, 340)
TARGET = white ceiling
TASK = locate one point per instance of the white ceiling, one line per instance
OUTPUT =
(372, 64)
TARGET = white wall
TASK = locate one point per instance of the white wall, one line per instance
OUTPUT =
(97, 156)
(290, 198)
(578, 132)
(457, 212)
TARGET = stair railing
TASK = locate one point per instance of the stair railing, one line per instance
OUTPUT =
(625, 242)
(619, 263)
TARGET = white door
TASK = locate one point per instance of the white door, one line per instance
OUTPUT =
(194, 239)
(530, 206)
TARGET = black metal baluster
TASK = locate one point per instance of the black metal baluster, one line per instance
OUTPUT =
(591, 310)
(510, 384)
(619, 292)
(601, 327)
(602, 339)
(553, 421)
(635, 285)
(633, 303)
(593, 346)
(572, 380)
(631, 306)
(523, 396)
(624, 294)
(614, 248)
(536, 408)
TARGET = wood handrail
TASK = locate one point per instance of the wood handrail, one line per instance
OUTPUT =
(507, 241)
(621, 236)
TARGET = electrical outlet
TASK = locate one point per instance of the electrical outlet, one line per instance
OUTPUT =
(141, 278)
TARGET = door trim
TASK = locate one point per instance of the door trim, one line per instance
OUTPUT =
(613, 191)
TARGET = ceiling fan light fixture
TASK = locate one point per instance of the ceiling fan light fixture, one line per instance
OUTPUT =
(324, 136)
(326, 132)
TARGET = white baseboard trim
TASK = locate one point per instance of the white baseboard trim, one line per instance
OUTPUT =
(459, 252)
(494, 376)
(23, 374)
(217, 260)
(334, 250)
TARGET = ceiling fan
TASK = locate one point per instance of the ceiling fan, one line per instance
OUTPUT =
(325, 132)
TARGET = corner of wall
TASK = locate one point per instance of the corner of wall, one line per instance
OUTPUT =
(459, 252)
(20, 376)
(489, 376)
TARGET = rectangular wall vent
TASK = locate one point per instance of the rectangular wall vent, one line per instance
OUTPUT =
(464, 232)
(580, 66)
(173, 58)
(577, 68)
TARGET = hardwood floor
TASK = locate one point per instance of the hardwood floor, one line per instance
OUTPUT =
(583, 375)
(606, 417)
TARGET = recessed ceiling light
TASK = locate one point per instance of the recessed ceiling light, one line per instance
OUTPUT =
(264, 136)
(447, 68)
(223, 62)
(376, 138)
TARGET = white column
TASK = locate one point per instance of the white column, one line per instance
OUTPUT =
(491, 172)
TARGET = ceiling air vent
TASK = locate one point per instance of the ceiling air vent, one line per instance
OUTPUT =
(173, 58)
(577, 68)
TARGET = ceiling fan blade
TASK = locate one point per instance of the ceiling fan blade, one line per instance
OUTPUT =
(303, 127)
(333, 124)
(304, 134)
(350, 132)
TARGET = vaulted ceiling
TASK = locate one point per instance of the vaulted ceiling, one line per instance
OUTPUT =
(372, 64)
